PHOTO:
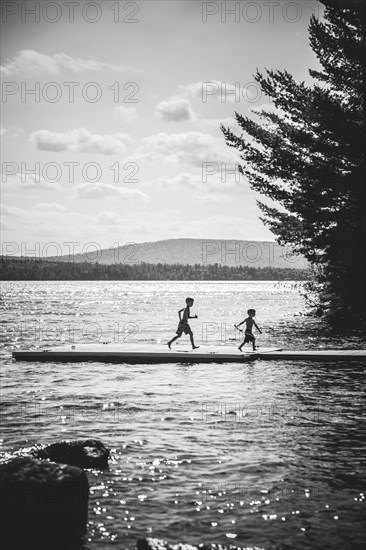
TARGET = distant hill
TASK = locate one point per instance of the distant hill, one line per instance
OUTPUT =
(195, 251)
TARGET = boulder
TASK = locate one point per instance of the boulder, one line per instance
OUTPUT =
(88, 453)
(160, 544)
(153, 544)
(43, 505)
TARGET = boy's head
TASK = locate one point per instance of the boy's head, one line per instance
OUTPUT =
(251, 312)
(189, 302)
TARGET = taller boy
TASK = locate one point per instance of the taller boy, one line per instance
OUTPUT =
(183, 325)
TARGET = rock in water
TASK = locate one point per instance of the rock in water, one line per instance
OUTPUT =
(43, 505)
(160, 544)
(152, 544)
(88, 453)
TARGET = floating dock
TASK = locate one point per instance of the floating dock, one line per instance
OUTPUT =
(124, 353)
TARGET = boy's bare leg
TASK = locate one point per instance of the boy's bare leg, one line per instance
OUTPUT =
(192, 342)
(172, 340)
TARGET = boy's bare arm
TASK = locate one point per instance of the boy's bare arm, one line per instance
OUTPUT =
(240, 324)
(179, 313)
(257, 327)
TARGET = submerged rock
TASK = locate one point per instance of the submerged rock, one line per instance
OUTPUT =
(43, 505)
(160, 544)
(88, 453)
(156, 544)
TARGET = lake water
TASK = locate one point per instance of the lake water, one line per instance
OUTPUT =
(264, 454)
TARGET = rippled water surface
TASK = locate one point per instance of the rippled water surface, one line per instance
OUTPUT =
(265, 454)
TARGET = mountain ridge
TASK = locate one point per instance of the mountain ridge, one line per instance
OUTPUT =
(191, 251)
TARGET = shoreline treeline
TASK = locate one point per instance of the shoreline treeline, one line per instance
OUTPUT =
(26, 269)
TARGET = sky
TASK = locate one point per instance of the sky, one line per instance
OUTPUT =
(111, 113)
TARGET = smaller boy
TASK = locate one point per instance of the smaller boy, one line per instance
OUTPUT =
(248, 335)
(183, 325)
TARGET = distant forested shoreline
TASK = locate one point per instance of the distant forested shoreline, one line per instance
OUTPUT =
(26, 269)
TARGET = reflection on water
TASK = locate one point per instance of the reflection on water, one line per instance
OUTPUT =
(264, 454)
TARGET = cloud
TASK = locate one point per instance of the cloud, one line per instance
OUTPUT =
(79, 141)
(30, 181)
(107, 227)
(110, 218)
(17, 131)
(220, 183)
(47, 207)
(213, 124)
(127, 114)
(150, 226)
(31, 62)
(13, 132)
(175, 109)
(225, 92)
(103, 190)
(211, 199)
(226, 227)
(11, 210)
(195, 89)
(4, 227)
(189, 148)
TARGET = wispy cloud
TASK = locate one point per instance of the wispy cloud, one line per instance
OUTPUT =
(213, 124)
(31, 62)
(219, 183)
(103, 190)
(110, 218)
(187, 148)
(225, 92)
(79, 141)
(29, 181)
(49, 207)
(127, 114)
(11, 210)
(12, 131)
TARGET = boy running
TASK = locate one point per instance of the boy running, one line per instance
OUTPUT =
(248, 335)
(183, 325)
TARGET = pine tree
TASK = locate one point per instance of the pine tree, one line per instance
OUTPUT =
(307, 156)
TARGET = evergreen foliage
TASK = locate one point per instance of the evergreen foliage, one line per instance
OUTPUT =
(307, 156)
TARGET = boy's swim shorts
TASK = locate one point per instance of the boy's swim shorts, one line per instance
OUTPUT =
(249, 337)
(183, 327)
